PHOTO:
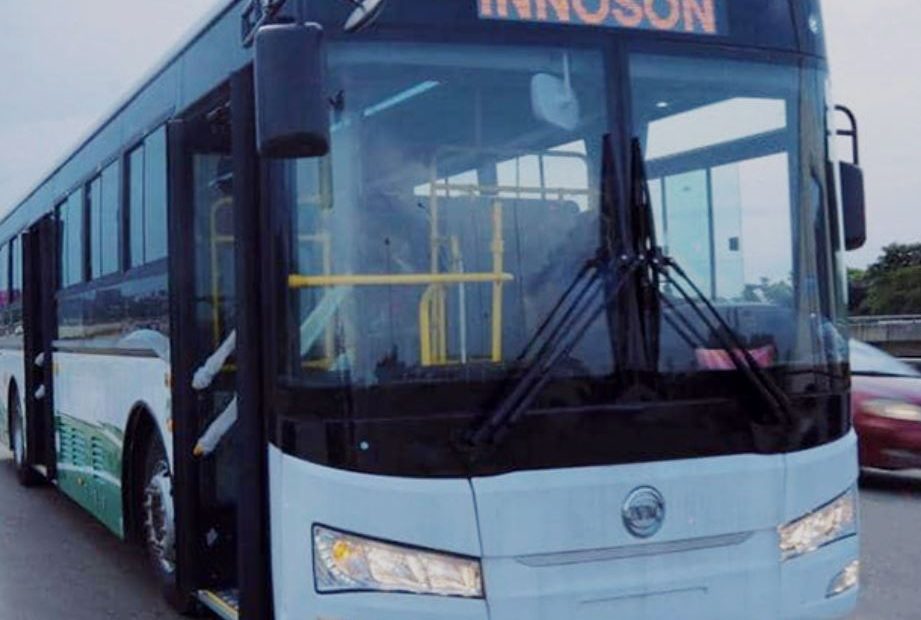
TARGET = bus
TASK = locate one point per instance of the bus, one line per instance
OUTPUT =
(469, 309)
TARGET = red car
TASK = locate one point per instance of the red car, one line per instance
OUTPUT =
(886, 400)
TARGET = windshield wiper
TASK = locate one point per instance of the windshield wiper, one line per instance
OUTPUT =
(729, 341)
(585, 300)
(578, 308)
(591, 292)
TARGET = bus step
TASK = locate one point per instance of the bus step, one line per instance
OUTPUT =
(224, 603)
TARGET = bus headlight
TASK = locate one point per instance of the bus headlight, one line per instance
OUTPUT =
(826, 525)
(345, 562)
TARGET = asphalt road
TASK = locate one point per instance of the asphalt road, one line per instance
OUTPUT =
(56, 562)
(890, 512)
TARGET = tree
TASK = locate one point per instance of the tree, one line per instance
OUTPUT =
(895, 292)
(891, 285)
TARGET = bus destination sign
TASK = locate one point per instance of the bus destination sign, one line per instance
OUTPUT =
(703, 17)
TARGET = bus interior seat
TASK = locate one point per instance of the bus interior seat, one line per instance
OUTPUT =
(758, 324)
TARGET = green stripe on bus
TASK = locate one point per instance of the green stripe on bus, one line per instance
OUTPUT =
(90, 468)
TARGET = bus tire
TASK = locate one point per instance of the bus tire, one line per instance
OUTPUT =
(27, 476)
(156, 516)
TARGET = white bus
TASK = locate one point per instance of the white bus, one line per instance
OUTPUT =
(470, 309)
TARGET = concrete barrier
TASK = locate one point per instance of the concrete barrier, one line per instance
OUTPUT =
(898, 335)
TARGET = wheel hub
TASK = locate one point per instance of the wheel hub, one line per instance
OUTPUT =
(159, 522)
(18, 443)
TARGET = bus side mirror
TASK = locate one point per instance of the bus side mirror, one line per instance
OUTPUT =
(853, 200)
(292, 109)
(854, 206)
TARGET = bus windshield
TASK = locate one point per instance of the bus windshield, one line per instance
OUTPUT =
(462, 196)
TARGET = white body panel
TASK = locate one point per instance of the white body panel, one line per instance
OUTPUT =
(94, 397)
(103, 390)
(438, 514)
(554, 545)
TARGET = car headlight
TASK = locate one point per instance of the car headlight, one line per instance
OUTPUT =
(347, 563)
(826, 525)
(894, 410)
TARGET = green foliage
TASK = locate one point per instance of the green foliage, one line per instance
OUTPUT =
(895, 257)
(891, 285)
(895, 292)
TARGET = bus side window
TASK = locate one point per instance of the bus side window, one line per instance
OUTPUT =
(147, 196)
(4, 275)
(155, 196)
(135, 191)
(70, 242)
(104, 223)
(16, 248)
(93, 236)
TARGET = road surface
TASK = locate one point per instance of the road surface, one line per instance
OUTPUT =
(890, 512)
(56, 562)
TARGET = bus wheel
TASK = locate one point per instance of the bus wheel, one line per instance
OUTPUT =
(158, 524)
(27, 476)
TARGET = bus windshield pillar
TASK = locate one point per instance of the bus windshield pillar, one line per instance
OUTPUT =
(254, 556)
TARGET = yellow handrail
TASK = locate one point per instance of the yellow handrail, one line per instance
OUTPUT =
(296, 281)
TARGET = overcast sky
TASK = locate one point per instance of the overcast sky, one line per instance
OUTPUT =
(65, 63)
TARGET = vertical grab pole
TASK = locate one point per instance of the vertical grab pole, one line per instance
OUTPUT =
(437, 316)
(330, 338)
(461, 297)
(253, 515)
(425, 326)
(498, 251)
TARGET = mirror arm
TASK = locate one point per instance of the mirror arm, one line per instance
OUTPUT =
(851, 133)
(257, 14)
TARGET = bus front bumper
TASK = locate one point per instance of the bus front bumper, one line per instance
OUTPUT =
(727, 578)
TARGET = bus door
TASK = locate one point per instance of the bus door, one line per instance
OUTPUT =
(39, 252)
(204, 364)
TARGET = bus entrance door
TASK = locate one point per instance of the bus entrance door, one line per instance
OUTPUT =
(206, 446)
(39, 327)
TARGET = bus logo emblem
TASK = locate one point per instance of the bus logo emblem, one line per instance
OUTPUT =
(644, 512)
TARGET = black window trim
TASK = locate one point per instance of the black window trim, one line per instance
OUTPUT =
(5, 250)
(16, 245)
(11, 245)
(88, 225)
(124, 248)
